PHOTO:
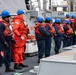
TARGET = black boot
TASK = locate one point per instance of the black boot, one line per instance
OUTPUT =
(8, 69)
(38, 60)
(46, 55)
(16, 66)
(22, 65)
(56, 52)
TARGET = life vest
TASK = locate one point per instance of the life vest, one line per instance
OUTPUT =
(72, 22)
(36, 28)
(75, 25)
(7, 31)
(51, 30)
(69, 31)
(60, 29)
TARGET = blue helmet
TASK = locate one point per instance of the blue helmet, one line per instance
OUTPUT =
(20, 11)
(48, 19)
(67, 15)
(40, 19)
(73, 16)
(57, 20)
(67, 21)
(5, 13)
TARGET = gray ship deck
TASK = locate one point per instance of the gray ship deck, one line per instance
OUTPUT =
(31, 61)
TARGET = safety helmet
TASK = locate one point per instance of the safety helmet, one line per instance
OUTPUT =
(5, 13)
(67, 21)
(20, 11)
(67, 15)
(73, 16)
(57, 20)
(40, 19)
(48, 19)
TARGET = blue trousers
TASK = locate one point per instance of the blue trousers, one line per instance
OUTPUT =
(74, 39)
(7, 55)
(67, 41)
(47, 46)
(41, 48)
(57, 45)
(71, 40)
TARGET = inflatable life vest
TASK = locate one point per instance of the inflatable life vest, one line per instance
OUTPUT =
(72, 22)
(69, 31)
(7, 31)
(36, 28)
(75, 25)
(51, 30)
(60, 29)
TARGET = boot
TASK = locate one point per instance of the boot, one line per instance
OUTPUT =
(22, 65)
(56, 52)
(38, 60)
(47, 55)
(8, 69)
(16, 66)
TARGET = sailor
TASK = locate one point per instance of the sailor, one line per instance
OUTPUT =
(48, 40)
(20, 32)
(5, 41)
(59, 34)
(68, 32)
(40, 33)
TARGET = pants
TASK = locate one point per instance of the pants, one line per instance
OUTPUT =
(71, 40)
(74, 39)
(17, 56)
(47, 46)
(67, 42)
(57, 45)
(41, 48)
(6, 58)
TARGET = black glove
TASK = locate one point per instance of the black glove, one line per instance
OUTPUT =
(13, 42)
(7, 45)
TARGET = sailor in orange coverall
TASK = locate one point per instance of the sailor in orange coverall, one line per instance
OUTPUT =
(20, 32)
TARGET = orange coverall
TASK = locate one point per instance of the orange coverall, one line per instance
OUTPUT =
(19, 31)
